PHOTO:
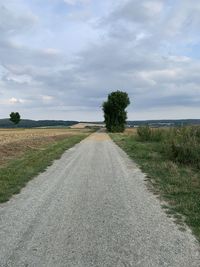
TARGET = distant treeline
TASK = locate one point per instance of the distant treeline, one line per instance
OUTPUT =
(6, 123)
(160, 123)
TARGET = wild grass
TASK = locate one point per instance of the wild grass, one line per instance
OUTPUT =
(145, 133)
(183, 145)
(19, 171)
(171, 163)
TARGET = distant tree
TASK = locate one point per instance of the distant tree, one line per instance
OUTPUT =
(15, 117)
(115, 114)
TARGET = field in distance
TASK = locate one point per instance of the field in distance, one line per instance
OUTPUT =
(15, 135)
(83, 125)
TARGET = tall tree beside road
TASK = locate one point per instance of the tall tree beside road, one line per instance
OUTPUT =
(114, 109)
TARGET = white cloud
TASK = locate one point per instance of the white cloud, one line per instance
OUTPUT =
(47, 98)
(51, 51)
(21, 79)
(154, 7)
(14, 100)
(75, 2)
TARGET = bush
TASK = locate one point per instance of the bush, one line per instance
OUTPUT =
(157, 135)
(183, 145)
(145, 133)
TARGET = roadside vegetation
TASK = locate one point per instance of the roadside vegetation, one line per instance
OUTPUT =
(171, 160)
(23, 158)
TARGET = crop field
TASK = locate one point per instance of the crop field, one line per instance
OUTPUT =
(26, 152)
(15, 142)
(18, 135)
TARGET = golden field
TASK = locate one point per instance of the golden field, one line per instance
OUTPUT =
(15, 142)
(15, 135)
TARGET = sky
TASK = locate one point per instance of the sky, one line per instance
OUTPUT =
(59, 59)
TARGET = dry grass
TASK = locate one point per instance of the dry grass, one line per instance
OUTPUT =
(130, 131)
(15, 142)
(15, 135)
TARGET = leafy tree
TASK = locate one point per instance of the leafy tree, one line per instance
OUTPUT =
(115, 114)
(15, 117)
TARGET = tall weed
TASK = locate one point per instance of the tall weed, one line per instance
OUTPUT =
(180, 144)
(183, 145)
(145, 133)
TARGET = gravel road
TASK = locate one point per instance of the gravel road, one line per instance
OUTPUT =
(91, 208)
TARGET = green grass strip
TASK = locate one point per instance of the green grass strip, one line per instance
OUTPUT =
(18, 172)
(177, 184)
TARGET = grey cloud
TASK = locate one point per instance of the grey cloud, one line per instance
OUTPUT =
(11, 53)
(164, 102)
(130, 57)
(137, 11)
(11, 24)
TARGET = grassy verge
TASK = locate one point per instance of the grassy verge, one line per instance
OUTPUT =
(18, 172)
(178, 184)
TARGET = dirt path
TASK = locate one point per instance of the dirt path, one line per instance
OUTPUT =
(91, 208)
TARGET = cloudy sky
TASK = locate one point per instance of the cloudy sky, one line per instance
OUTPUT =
(60, 58)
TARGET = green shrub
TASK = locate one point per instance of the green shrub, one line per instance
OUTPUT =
(145, 133)
(183, 145)
(157, 135)
(180, 144)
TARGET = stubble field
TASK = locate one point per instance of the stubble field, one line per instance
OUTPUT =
(14, 135)
(26, 152)
(15, 142)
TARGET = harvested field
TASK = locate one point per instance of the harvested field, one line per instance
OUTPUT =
(131, 131)
(83, 125)
(15, 142)
(14, 135)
